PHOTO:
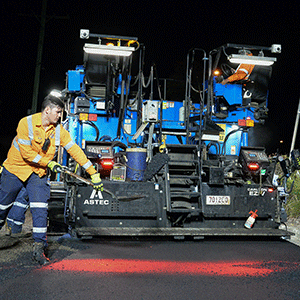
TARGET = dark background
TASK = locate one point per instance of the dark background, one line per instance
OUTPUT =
(168, 29)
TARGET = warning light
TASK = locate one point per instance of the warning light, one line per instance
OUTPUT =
(250, 123)
(242, 122)
(217, 72)
(270, 190)
(253, 166)
(110, 44)
(246, 123)
(83, 117)
(92, 117)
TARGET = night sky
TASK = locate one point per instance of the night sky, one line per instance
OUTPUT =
(168, 29)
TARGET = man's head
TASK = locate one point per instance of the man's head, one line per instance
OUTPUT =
(52, 108)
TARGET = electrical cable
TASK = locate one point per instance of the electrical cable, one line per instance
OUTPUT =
(226, 138)
(216, 145)
(105, 138)
(149, 79)
(94, 126)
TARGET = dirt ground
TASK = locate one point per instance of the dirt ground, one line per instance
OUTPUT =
(19, 250)
(16, 253)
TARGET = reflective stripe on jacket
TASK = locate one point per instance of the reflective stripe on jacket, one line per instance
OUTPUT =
(242, 72)
(26, 156)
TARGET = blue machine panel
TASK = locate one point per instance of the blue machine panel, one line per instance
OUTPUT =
(233, 143)
(231, 92)
(74, 80)
(171, 110)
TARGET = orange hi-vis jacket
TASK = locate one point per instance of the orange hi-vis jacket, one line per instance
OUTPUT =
(242, 72)
(26, 156)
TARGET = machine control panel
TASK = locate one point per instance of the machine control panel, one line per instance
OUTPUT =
(255, 155)
(100, 150)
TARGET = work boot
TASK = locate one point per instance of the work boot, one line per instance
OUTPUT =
(39, 254)
(8, 229)
(15, 232)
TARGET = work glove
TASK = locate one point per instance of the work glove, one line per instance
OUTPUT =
(96, 180)
(54, 166)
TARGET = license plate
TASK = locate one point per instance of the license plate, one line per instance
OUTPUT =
(217, 200)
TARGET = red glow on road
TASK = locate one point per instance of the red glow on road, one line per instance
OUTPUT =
(128, 266)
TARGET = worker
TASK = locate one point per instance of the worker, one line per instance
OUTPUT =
(31, 152)
(242, 72)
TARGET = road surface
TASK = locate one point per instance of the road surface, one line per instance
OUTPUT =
(147, 269)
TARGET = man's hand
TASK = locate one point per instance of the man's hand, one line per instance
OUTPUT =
(54, 166)
(96, 180)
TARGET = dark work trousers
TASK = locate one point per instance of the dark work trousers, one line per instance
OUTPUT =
(16, 215)
(38, 191)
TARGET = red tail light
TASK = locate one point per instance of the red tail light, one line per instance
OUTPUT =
(270, 190)
(253, 166)
(107, 164)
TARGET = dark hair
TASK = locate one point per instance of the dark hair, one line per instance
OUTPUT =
(52, 101)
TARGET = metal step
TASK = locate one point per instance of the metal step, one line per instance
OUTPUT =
(179, 176)
(184, 194)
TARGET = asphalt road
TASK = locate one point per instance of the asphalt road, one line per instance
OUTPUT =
(145, 269)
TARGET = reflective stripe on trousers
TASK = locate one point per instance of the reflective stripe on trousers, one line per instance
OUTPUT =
(38, 192)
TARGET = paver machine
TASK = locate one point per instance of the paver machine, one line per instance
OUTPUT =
(182, 167)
